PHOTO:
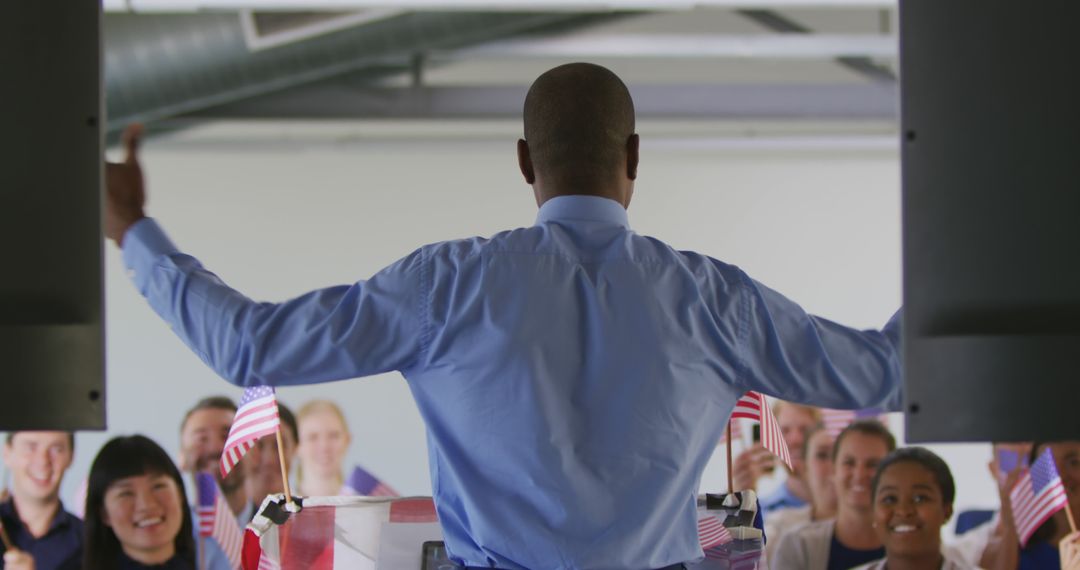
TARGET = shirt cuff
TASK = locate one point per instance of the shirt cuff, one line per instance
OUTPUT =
(144, 245)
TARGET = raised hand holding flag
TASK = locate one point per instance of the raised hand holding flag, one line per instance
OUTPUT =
(753, 406)
(1037, 495)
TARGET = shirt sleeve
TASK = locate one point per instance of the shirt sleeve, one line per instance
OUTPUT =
(798, 357)
(335, 333)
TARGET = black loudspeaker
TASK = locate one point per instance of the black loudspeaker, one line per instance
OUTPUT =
(52, 360)
(991, 205)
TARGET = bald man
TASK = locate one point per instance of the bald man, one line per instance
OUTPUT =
(573, 376)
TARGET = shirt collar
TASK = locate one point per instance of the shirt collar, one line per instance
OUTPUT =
(583, 208)
(8, 511)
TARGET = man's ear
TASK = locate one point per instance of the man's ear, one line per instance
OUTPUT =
(632, 145)
(525, 162)
(948, 512)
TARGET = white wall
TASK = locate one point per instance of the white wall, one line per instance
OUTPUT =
(278, 209)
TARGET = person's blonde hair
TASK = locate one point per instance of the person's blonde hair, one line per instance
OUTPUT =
(312, 408)
(815, 413)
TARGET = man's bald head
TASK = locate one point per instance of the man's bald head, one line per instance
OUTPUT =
(579, 119)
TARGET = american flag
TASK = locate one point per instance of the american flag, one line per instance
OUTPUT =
(256, 417)
(711, 532)
(753, 406)
(1036, 496)
(216, 520)
(727, 559)
(836, 420)
(363, 483)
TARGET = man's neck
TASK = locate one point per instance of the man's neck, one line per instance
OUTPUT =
(854, 530)
(37, 515)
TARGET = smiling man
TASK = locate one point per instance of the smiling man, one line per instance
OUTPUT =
(44, 534)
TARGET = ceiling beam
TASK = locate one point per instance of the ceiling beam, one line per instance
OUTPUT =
(861, 63)
(485, 5)
(671, 101)
(694, 46)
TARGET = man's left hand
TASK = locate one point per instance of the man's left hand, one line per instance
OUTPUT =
(125, 194)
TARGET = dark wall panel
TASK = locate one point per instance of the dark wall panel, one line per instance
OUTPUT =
(991, 205)
(51, 332)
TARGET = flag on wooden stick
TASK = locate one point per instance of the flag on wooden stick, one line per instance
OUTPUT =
(256, 417)
(1037, 495)
(753, 406)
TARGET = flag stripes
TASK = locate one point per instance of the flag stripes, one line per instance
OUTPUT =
(836, 420)
(712, 532)
(753, 406)
(216, 520)
(1037, 495)
(256, 417)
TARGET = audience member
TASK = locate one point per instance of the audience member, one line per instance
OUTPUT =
(203, 433)
(264, 477)
(202, 441)
(1041, 551)
(988, 537)
(795, 421)
(324, 440)
(849, 540)
(43, 534)
(913, 492)
(817, 457)
(135, 510)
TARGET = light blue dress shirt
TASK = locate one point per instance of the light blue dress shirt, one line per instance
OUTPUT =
(574, 376)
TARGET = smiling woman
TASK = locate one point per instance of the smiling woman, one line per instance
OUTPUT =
(848, 540)
(913, 492)
(135, 509)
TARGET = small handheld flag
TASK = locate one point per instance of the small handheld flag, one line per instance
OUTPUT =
(836, 420)
(216, 521)
(363, 483)
(1037, 495)
(256, 417)
(753, 406)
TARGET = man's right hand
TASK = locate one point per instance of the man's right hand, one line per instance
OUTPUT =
(125, 194)
(750, 465)
(18, 560)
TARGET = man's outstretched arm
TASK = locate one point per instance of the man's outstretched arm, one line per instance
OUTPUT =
(335, 333)
(803, 358)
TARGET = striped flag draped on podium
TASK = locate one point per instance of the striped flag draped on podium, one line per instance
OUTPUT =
(256, 417)
(215, 519)
(711, 532)
(753, 406)
(1037, 495)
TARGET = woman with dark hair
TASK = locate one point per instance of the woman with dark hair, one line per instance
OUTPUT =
(913, 492)
(136, 510)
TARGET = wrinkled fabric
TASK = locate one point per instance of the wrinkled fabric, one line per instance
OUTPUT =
(573, 376)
